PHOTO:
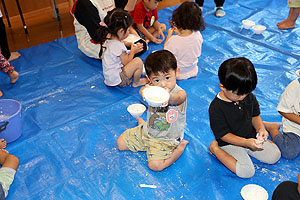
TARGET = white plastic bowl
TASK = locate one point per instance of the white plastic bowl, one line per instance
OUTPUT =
(156, 96)
(247, 24)
(254, 192)
(136, 109)
(258, 29)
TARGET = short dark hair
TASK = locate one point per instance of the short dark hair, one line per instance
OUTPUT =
(188, 16)
(160, 61)
(238, 75)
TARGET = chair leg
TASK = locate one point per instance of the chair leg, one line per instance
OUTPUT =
(21, 15)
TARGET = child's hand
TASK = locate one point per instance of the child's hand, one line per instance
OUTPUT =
(170, 31)
(142, 89)
(262, 133)
(165, 104)
(138, 47)
(251, 144)
(157, 41)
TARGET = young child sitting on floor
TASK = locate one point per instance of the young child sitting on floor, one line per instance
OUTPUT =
(8, 69)
(289, 107)
(163, 145)
(145, 21)
(119, 68)
(235, 120)
(9, 164)
(186, 22)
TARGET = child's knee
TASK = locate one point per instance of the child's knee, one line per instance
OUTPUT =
(138, 62)
(244, 170)
(163, 27)
(121, 144)
(288, 154)
(156, 165)
(274, 156)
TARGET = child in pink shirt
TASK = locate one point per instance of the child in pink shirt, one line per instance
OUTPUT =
(186, 45)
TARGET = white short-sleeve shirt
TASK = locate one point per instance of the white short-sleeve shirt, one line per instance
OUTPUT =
(290, 103)
(112, 64)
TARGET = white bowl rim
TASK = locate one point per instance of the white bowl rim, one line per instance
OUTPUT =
(136, 104)
(251, 186)
(152, 103)
(259, 27)
(248, 22)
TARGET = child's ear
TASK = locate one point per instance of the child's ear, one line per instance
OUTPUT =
(221, 87)
(148, 78)
(177, 71)
(120, 32)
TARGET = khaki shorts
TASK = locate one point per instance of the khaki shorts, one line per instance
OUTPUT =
(136, 140)
(124, 78)
(6, 178)
(294, 3)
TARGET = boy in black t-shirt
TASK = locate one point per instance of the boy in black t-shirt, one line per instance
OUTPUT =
(235, 120)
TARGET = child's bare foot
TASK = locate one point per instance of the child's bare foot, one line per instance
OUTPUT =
(287, 25)
(282, 22)
(14, 76)
(14, 56)
(2, 144)
(1, 94)
(212, 147)
(271, 125)
(272, 128)
(142, 81)
(182, 144)
(140, 121)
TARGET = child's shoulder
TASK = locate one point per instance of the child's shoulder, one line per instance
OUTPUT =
(176, 89)
(139, 6)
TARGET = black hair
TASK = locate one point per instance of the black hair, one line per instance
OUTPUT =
(238, 75)
(188, 16)
(160, 61)
(114, 20)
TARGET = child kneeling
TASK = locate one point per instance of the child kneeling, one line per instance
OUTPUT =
(235, 120)
(163, 143)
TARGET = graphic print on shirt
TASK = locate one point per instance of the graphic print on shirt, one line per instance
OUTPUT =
(162, 121)
(148, 21)
(158, 121)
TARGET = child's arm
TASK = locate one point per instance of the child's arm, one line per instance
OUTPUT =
(257, 123)
(177, 98)
(291, 116)
(147, 34)
(170, 33)
(135, 48)
(156, 25)
(240, 141)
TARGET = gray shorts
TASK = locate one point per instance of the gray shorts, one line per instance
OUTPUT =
(289, 144)
(244, 165)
